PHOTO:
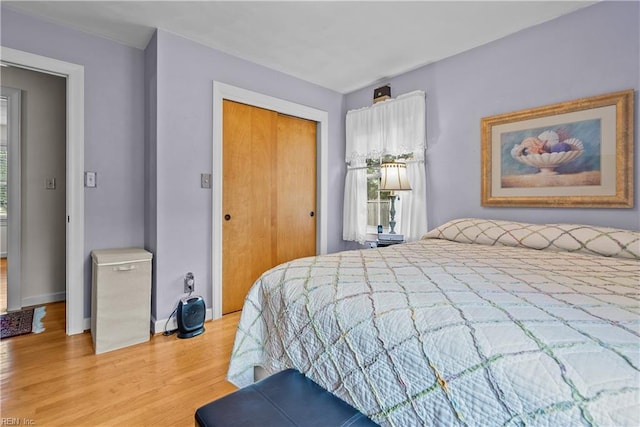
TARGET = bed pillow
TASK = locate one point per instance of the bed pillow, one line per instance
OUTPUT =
(610, 242)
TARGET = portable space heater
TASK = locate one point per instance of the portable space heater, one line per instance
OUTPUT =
(191, 311)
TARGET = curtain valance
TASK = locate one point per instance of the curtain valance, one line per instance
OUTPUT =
(393, 127)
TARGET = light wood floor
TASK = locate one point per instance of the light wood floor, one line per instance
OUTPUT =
(51, 379)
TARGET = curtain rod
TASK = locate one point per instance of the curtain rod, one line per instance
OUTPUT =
(365, 167)
(390, 101)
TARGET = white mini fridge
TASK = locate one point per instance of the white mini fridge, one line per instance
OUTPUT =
(120, 298)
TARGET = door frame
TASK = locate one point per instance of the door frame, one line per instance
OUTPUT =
(74, 75)
(14, 211)
(222, 91)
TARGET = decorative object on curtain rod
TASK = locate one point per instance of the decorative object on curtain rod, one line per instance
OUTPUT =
(393, 177)
(382, 93)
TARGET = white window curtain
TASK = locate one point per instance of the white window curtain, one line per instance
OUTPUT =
(355, 195)
(413, 215)
(392, 127)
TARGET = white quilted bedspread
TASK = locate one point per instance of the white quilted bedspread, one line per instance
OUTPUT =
(439, 332)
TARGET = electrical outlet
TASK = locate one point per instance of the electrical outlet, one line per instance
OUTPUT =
(189, 283)
(50, 183)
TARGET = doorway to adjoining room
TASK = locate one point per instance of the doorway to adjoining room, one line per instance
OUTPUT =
(32, 188)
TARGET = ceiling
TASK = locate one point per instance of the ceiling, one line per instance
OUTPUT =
(340, 45)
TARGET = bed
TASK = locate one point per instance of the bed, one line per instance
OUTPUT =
(480, 323)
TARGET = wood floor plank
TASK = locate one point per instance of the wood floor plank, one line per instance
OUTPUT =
(56, 380)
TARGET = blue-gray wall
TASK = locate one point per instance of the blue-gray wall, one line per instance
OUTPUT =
(589, 52)
(114, 127)
(148, 126)
(150, 154)
(184, 149)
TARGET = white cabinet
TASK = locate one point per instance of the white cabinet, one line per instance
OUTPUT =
(120, 298)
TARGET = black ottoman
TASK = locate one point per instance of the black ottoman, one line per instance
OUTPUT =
(287, 398)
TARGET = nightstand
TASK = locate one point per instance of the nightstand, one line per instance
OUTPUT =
(384, 244)
(387, 239)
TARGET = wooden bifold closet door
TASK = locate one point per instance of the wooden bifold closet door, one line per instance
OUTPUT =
(269, 195)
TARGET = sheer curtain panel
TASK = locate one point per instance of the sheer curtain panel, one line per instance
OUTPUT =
(355, 204)
(413, 216)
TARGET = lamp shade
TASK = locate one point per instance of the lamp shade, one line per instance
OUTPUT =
(393, 177)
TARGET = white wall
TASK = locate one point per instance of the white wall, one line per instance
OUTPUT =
(43, 210)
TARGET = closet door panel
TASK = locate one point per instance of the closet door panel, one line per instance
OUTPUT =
(248, 203)
(296, 181)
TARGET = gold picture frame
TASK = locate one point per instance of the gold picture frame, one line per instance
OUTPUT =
(571, 154)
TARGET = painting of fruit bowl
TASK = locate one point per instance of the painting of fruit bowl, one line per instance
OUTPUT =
(546, 152)
(569, 154)
(566, 154)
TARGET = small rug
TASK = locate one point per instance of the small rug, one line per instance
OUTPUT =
(22, 322)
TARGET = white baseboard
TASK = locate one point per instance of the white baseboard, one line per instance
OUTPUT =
(44, 299)
(158, 326)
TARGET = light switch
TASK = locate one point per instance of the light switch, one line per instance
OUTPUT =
(90, 179)
(50, 183)
(205, 180)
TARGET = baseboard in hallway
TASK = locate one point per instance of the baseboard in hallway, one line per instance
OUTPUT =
(3, 285)
(44, 299)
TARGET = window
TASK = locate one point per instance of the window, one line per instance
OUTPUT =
(379, 202)
(3, 158)
(377, 134)
(3, 181)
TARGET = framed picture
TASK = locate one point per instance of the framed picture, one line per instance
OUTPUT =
(572, 154)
